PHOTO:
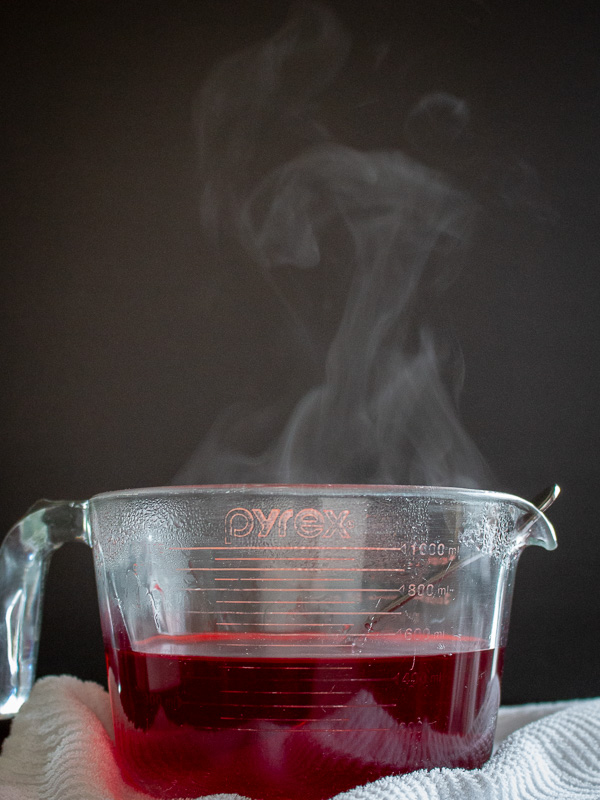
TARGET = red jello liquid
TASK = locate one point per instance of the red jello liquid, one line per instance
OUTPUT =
(296, 727)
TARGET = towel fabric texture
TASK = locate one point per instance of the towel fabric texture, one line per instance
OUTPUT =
(60, 748)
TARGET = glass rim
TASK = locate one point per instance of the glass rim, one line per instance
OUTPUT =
(458, 494)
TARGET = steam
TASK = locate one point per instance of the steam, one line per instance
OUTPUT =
(378, 227)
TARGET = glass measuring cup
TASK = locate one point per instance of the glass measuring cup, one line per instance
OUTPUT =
(284, 641)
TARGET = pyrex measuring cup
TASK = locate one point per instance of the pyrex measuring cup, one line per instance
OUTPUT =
(284, 641)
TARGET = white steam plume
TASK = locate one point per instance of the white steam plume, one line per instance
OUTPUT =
(386, 409)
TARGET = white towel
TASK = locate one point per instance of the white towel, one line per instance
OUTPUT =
(60, 748)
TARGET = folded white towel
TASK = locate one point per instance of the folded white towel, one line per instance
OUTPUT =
(60, 748)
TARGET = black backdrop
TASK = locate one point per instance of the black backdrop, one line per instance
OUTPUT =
(121, 344)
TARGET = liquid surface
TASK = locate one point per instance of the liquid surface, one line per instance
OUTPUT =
(270, 727)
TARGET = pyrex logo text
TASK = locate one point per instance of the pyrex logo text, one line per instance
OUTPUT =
(309, 523)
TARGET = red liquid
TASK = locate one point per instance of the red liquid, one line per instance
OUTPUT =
(301, 727)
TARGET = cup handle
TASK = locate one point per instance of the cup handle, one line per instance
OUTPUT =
(24, 558)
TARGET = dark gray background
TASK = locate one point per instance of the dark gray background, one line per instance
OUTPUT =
(120, 343)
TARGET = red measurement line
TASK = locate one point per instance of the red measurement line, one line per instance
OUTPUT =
(299, 613)
(277, 548)
(280, 692)
(346, 680)
(282, 719)
(324, 589)
(294, 625)
(304, 646)
(304, 729)
(290, 569)
(281, 558)
(282, 667)
(294, 580)
(306, 706)
(285, 602)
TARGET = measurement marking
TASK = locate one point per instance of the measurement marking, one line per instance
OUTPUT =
(283, 681)
(322, 677)
(302, 727)
(290, 569)
(311, 613)
(286, 719)
(280, 692)
(304, 646)
(304, 706)
(295, 625)
(294, 580)
(288, 668)
(346, 680)
(281, 558)
(348, 591)
(276, 549)
(285, 602)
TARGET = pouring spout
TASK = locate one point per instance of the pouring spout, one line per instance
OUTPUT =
(534, 527)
